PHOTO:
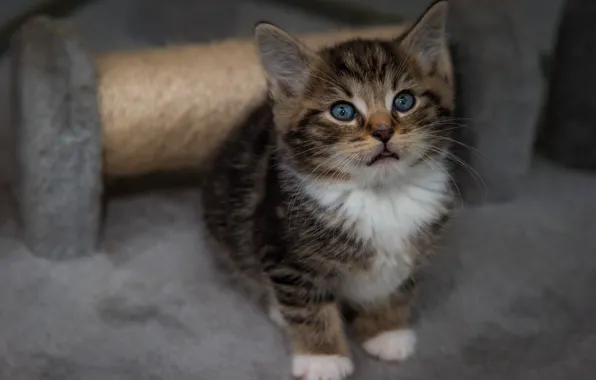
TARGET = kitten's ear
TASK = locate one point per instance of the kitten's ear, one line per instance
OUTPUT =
(286, 60)
(427, 40)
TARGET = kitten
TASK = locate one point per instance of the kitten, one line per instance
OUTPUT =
(334, 194)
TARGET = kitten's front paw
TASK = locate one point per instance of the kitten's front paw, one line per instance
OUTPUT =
(393, 345)
(321, 367)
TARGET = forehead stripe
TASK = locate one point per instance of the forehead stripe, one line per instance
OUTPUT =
(433, 97)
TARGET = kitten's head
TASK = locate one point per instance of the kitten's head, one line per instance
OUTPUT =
(363, 110)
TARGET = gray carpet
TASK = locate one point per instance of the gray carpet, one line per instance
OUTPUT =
(511, 297)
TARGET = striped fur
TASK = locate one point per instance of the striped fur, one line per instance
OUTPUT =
(294, 205)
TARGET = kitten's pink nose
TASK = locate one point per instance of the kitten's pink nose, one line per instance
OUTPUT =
(383, 133)
(381, 127)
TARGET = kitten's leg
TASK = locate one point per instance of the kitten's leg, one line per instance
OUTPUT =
(314, 324)
(383, 328)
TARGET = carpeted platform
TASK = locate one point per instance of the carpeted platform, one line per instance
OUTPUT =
(512, 297)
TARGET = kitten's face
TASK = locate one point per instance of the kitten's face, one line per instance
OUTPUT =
(366, 111)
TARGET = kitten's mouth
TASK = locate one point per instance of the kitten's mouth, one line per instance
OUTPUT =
(383, 156)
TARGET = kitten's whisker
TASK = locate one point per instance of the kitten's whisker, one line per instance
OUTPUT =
(442, 127)
(307, 177)
(453, 158)
(444, 120)
(452, 126)
(314, 153)
(330, 162)
(297, 191)
(437, 135)
(352, 159)
(425, 158)
(338, 166)
(464, 145)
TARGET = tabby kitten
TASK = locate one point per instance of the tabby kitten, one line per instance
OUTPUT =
(332, 195)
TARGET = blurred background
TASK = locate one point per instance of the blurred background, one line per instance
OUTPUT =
(137, 23)
(108, 25)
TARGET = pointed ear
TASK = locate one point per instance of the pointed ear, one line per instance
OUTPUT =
(286, 61)
(426, 40)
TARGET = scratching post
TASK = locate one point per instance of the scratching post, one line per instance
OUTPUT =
(78, 120)
(57, 143)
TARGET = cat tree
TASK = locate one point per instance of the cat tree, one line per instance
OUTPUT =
(79, 120)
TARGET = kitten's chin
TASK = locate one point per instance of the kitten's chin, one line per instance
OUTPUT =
(388, 170)
(383, 171)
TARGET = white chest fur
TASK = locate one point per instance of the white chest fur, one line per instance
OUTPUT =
(385, 218)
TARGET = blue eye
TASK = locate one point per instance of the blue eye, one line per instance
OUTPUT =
(404, 101)
(343, 111)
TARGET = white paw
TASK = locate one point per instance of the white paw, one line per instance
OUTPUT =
(393, 345)
(321, 367)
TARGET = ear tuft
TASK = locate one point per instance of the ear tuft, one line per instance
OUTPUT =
(285, 60)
